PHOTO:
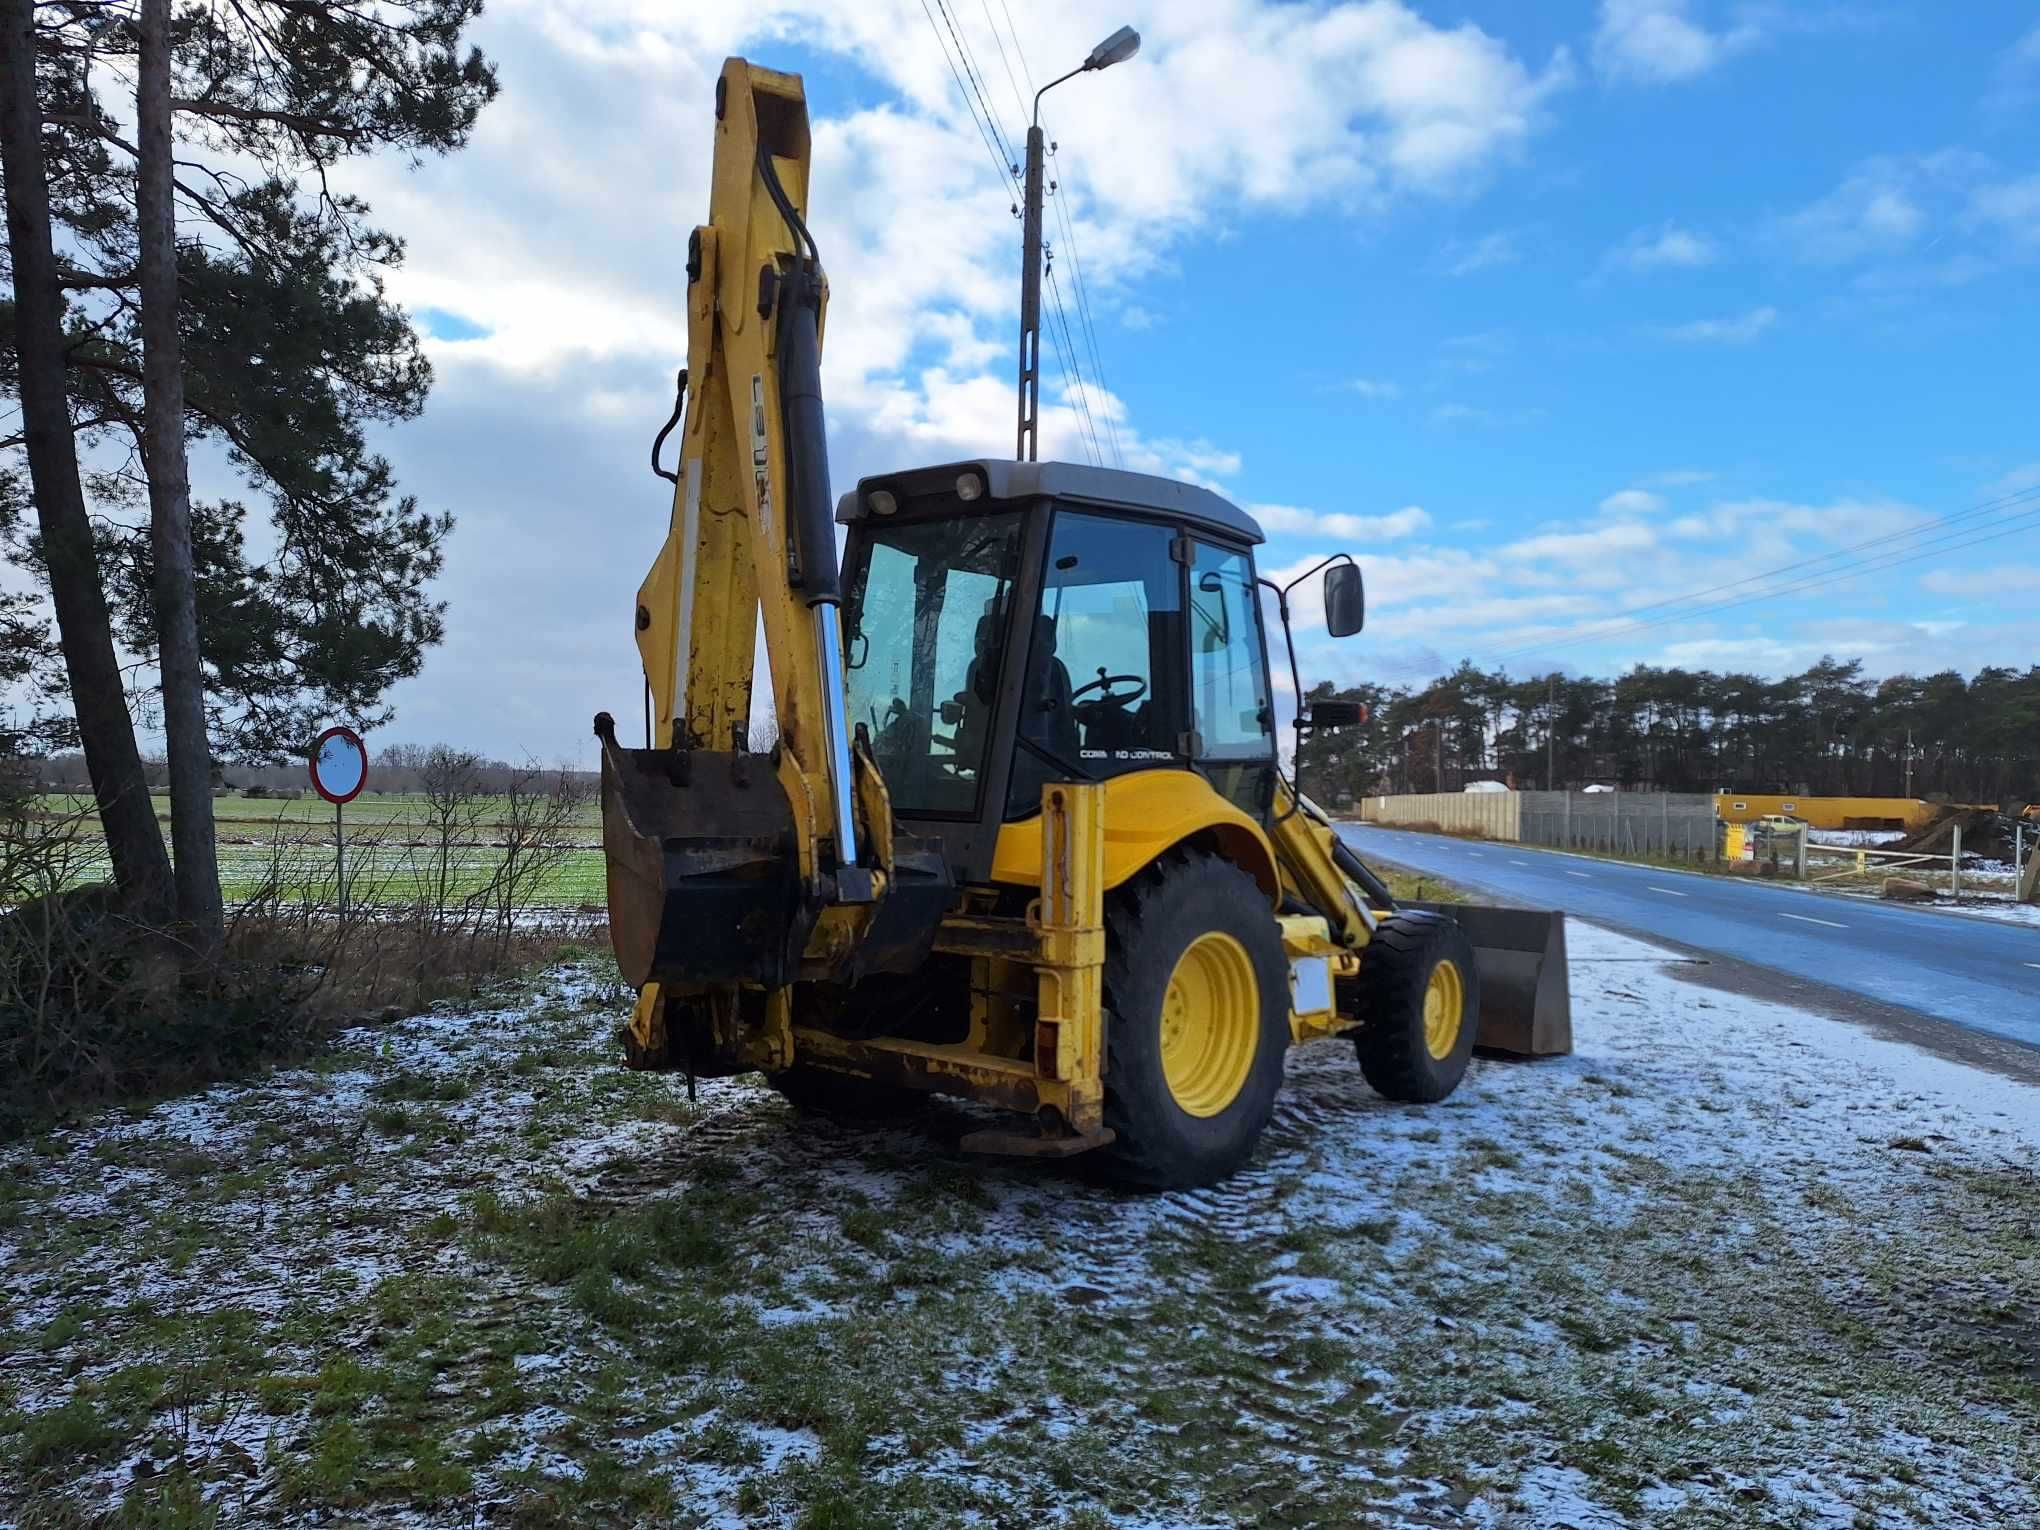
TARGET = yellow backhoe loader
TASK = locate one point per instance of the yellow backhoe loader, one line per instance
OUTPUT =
(1024, 837)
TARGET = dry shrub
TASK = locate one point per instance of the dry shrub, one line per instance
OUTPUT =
(98, 1003)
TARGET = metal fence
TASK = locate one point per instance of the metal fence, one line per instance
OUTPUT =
(1679, 824)
(1622, 823)
(1490, 814)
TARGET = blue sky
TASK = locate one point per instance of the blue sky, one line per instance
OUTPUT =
(1546, 312)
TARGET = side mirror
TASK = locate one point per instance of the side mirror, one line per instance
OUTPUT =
(952, 712)
(1345, 600)
(1335, 714)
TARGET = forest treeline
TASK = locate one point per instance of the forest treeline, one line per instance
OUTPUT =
(1829, 730)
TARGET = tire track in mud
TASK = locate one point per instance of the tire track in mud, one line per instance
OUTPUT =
(1307, 1426)
(737, 1119)
(1113, 1247)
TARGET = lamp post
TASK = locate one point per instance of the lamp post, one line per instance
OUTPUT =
(1116, 49)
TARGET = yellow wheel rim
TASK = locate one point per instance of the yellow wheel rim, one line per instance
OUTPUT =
(1211, 1022)
(1444, 1005)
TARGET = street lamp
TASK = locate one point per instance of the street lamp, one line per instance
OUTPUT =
(1116, 49)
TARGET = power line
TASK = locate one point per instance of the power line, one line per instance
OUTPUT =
(1984, 508)
(1069, 391)
(991, 148)
(1799, 566)
(1892, 558)
(1017, 49)
(1019, 100)
(2025, 508)
(976, 79)
(1076, 364)
(1084, 310)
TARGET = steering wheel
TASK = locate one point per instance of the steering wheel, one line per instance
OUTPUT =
(1104, 683)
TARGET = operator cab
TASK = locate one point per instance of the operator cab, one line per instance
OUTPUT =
(1014, 623)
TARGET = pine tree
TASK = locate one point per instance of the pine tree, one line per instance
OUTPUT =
(291, 352)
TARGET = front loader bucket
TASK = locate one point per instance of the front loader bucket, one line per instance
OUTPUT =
(1525, 991)
(704, 875)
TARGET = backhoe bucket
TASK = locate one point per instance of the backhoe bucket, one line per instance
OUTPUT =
(704, 875)
(1525, 991)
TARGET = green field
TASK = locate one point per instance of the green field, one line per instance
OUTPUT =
(393, 851)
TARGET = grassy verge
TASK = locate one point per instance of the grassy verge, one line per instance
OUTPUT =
(466, 1270)
(1418, 886)
(94, 1011)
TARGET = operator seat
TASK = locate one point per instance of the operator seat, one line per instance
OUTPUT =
(1046, 715)
(980, 694)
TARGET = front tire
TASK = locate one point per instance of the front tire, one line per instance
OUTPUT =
(1197, 1022)
(1419, 1007)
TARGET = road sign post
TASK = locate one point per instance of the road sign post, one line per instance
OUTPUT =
(339, 772)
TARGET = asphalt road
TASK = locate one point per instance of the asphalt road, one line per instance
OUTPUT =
(1970, 971)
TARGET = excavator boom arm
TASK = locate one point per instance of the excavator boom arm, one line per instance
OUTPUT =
(751, 534)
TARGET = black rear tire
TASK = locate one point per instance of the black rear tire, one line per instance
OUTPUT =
(1397, 971)
(1158, 1144)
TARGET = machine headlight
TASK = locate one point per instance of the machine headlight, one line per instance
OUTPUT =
(969, 487)
(882, 502)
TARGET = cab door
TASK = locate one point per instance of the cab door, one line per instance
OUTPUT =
(1232, 713)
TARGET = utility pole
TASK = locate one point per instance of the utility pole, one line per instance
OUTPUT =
(1908, 762)
(1117, 48)
(1026, 447)
(1551, 732)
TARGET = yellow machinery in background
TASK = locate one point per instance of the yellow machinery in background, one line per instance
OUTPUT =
(1023, 837)
(1828, 812)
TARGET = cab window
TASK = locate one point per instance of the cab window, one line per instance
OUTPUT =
(1102, 689)
(1228, 672)
(1234, 722)
(926, 621)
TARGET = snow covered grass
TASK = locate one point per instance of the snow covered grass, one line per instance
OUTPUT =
(2004, 910)
(1728, 1264)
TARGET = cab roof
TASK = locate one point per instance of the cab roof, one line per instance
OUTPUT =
(1071, 482)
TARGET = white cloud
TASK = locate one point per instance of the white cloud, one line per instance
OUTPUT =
(1603, 585)
(1953, 201)
(1842, 521)
(2010, 207)
(1877, 209)
(1464, 257)
(1450, 414)
(1760, 655)
(2016, 481)
(1667, 247)
(1395, 525)
(1236, 103)
(2017, 82)
(1733, 329)
(1982, 583)
(1583, 548)
(1632, 502)
(1658, 41)
(1241, 110)
(1394, 581)
(1199, 456)
(1679, 478)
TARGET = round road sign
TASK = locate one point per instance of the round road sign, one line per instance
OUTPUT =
(339, 765)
